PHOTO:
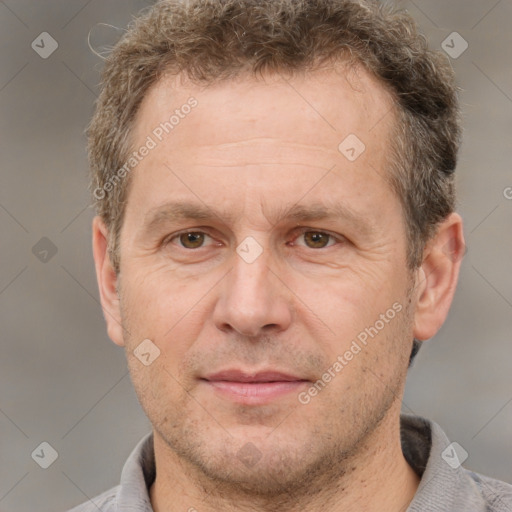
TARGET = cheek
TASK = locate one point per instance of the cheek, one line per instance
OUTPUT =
(156, 387)
(350, 298)
(155, 296)
(370, 356)
(166, 310)
(365, 322)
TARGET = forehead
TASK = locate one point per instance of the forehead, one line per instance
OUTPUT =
(246, 135)
(333, 101)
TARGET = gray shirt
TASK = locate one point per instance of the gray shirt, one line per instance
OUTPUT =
(445, 485)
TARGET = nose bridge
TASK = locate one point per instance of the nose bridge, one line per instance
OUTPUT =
(250, 276)
(252, 297)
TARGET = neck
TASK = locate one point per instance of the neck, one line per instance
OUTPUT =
(376, 478)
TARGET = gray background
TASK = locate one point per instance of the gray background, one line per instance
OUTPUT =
(64, 382)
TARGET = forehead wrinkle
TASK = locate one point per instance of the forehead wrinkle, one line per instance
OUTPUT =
(263, 141)
(277, 152)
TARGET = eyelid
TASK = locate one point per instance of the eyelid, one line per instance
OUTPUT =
(297, 233)
(167, 240)
(306, 229)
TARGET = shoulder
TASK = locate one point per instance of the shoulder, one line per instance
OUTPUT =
(446, 485)
(496, 494)
(104, 502)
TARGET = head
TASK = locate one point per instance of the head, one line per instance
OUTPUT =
(274, 187)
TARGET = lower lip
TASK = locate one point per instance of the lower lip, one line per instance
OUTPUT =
(255, 392)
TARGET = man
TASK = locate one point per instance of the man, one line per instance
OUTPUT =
(275, 236)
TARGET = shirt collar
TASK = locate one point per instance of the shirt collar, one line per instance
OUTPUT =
(137, 477)
(445, 485)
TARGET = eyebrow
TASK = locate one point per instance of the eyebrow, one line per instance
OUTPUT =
(179, 211)
(320, 211)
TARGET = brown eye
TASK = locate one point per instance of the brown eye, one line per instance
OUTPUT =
(316, 239)
(192, 240)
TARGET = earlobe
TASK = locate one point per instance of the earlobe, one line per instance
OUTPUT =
(436, 279)
(107, 281)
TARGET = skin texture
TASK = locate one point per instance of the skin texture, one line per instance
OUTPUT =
(249, 151)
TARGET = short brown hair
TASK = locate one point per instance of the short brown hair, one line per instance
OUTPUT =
(213, 40)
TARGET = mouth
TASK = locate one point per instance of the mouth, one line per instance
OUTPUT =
(253, 388)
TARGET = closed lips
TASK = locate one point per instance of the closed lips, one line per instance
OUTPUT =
(240, 376)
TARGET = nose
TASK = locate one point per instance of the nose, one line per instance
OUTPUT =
(253, 300)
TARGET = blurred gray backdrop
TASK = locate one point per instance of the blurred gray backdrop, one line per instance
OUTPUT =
(63, 382)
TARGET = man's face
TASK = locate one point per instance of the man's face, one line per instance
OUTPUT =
(249, 154)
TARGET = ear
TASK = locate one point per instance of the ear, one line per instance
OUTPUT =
(107, 281)
(437, 277)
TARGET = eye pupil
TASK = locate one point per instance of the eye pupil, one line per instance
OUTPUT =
(318, 239)
(196, 239)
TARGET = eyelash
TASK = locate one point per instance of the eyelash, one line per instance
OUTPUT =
(301, 231)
